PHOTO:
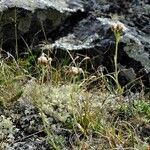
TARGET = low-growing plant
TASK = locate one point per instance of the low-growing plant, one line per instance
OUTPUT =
(10, 83)
(117, 29)
(140, 108)
(7, 129)
(89, 114)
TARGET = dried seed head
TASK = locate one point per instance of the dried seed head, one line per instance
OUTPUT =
(114, 27)
(118, 27)
(42, 60)
(75, 70)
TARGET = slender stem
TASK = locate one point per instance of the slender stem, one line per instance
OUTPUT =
(16, 34)
(43, 74)
(117, 36)
(115, 61)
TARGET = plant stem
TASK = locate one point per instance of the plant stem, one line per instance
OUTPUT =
(43, 74)
(116, 62)
(16, 33)
(117, 37)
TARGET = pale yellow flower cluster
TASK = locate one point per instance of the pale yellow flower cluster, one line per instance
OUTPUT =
(118, 27)
(44, 60)
(75, 70)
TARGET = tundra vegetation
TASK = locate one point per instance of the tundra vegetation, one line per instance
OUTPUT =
(75, 109)
(64, 106)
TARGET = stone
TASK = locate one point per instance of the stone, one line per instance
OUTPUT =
(89, 34)
(28, 21)
(32, 5)
(95, 34)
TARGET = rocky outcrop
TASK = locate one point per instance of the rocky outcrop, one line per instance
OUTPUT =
(94, 34)
(32, 5)
(61, 23)
(32, 20)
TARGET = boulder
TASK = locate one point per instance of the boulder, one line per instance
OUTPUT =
(32, 20)
(60, 22)
(94, 34)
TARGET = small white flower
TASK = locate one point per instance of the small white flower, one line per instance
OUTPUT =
(43, 60)
(118, 27)
(76, 70)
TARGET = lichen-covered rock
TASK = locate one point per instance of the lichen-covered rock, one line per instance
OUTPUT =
(95, 34)
(30, 20)
(32, 5)
(51, 20)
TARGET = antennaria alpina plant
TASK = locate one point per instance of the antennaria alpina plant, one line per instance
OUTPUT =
(117, 29)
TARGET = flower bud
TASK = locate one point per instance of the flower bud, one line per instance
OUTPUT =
(42, 60)
(118, 27)
(75, 70)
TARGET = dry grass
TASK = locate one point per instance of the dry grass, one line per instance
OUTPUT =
(94, 118)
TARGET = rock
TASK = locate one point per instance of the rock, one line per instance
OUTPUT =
(29, 20)
(32, 5)
(91, 34)
(94, 34)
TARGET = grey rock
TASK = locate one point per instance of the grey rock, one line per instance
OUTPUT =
(38, 19)
(128, 73)
(29, 20)
(32, 5)
(135, 44)
(95, 34)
